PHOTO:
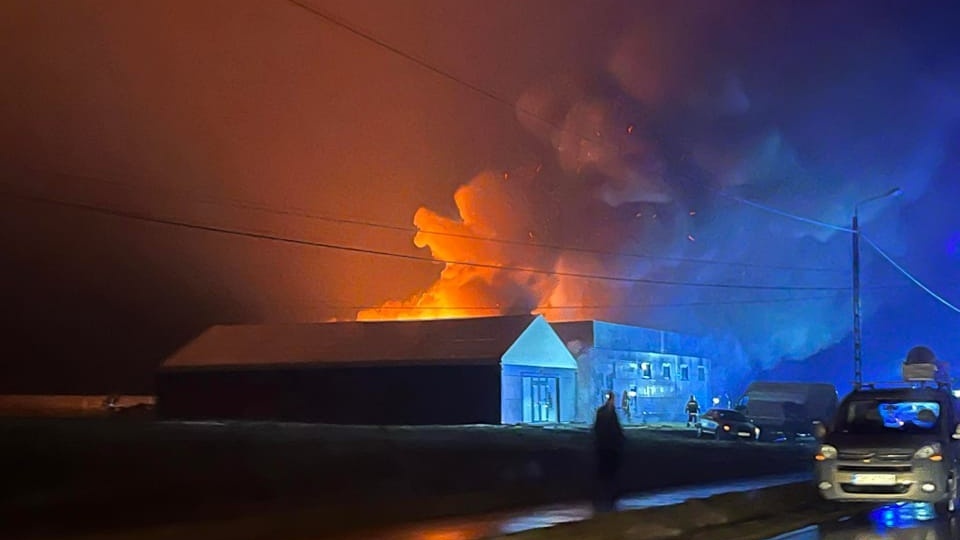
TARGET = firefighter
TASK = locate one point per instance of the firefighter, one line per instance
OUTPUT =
(625, 406)
(693, 410)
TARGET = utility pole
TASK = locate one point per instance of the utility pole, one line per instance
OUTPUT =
(857, 336)
(857, 331)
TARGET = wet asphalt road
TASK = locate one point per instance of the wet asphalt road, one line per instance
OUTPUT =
(907, 521)
(487, 525)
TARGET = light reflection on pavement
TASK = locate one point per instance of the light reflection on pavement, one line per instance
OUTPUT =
(487, 525)
(905, 521)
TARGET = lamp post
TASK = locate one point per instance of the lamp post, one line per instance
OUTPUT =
(857, 336)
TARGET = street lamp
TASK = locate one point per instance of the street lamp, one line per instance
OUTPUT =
(857, 337)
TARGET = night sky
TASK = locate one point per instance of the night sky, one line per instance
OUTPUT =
(606, 128)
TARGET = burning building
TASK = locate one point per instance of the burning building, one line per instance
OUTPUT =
(491, 370)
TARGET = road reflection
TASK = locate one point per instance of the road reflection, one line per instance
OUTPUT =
(496, 524)
(905, 521)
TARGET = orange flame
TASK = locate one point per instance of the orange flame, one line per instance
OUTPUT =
(485, 208)
(473, 291)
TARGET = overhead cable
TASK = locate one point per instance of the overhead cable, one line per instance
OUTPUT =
(238, 203)
(908, 275)
(361, 250)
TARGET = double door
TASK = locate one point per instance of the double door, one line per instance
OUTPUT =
(540, 399)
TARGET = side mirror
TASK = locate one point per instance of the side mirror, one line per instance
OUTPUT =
(956, 433)
(820, 430)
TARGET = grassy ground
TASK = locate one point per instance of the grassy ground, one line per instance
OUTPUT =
(98, 474)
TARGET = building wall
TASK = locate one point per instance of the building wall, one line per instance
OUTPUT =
(512, 390)
(381, 395)
(636, 338)
(539, 378)
(658, 384)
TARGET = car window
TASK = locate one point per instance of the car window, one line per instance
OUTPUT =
(733, 416)
(876, 416)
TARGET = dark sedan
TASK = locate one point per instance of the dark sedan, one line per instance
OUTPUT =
(727, 424)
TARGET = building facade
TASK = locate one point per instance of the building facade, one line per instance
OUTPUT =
(652, 372)
(493, 370)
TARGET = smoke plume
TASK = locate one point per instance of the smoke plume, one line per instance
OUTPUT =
(643, 159)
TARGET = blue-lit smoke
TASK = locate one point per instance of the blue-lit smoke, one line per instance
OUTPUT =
(807, 109)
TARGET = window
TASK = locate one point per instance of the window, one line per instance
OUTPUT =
(701, 373)
(732, 416)
(889, 415)
(646, 370)
(665, 371)
(626, 370)
(684, 372)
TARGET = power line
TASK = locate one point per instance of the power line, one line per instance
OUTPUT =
(909, 275)
(454, 307)
(779, 212)
(506, 241)
(339, 22)
(872, 244)
(353, 29)
(366, 251)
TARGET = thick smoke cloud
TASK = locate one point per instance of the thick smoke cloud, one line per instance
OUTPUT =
(622, 121)
(804, 110)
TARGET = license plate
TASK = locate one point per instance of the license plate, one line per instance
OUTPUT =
(874, 479)
(742, 434)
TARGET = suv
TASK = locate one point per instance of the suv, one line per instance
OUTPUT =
(892, 444)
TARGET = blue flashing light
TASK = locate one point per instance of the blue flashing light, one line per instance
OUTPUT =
(901, 516)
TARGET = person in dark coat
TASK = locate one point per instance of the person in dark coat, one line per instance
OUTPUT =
(609, 441)
(693, 411)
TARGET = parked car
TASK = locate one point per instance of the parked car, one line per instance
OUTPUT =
(892, 444)
(727, 424)
(788, 408)
(895, 442)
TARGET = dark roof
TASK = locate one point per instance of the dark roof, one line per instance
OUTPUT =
(570, 331)
(479, 340)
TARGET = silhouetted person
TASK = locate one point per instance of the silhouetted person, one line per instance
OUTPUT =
(625, 406)
(693, 409)
(608, 441)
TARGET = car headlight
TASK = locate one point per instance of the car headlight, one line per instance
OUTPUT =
(930, 451)
(756, 431)
(826, 452)
(726, 427)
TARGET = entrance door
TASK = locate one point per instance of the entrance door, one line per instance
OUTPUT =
(540, 398)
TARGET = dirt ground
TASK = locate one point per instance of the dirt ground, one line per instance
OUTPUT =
(106, 473)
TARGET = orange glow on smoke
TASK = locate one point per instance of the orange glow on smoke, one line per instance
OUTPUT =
(484, 211)
(488, 207)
